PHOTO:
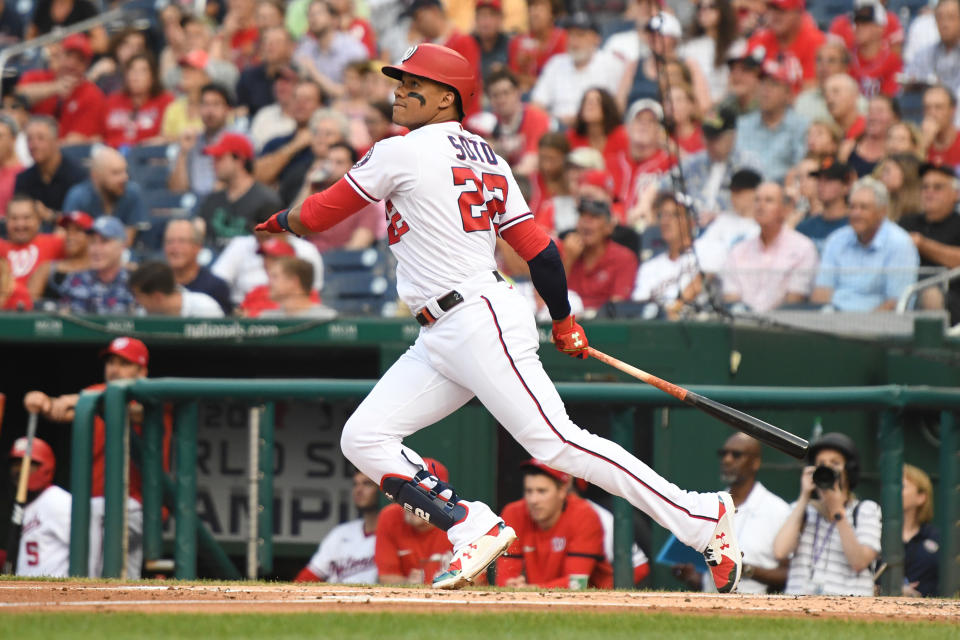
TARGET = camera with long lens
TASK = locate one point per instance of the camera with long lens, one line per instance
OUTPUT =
(825, 477)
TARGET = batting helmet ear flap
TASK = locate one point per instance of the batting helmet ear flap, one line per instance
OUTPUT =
(846, 446)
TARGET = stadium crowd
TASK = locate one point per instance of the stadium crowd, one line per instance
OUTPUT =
(686, 156)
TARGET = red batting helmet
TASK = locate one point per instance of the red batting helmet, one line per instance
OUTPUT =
(439, 64)
(42, 454)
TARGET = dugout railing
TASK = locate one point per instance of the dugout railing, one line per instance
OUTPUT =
(622, 400)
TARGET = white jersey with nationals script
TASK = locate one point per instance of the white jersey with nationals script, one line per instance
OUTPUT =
(346, 555)
(45, 540)
(447, 195)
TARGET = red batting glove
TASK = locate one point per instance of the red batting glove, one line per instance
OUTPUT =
(570, 338)
(271, 225)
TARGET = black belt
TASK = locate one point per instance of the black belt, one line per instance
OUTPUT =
(446, 302)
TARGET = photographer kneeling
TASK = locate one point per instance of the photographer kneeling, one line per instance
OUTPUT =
(830, 537)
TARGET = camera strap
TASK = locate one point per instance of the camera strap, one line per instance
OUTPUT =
(826, 539)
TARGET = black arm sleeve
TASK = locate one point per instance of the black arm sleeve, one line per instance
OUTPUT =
(550, 280)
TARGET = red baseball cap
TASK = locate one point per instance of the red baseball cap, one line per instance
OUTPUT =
(598, 178)
(786, 70)
(788, 5)
(276, 248)
(198, 59)
(130, 349)
(436, 468)
(79, 218)
(235, 143)
(539, 465)
(496, 5)
(78, 43)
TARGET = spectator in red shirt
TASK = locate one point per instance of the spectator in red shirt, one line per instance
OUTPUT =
(519, 125)
(26, 248)
(239, 32)
(598, 269)
(410, 550)
(687, 132)
(63, 92)
(550, 180)
(528, 52)
(940, 137)
(638, 168)
(843, 27)
(430, 21)
(9, 162)
(842, 94)
(135, 114)
(790, 30)
(559, 536)
(875, 63)
(598, 125)
(13, 295)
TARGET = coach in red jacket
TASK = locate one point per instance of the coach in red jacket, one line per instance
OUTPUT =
(559, 536)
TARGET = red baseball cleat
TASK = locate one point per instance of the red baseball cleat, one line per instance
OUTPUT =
(723, 553)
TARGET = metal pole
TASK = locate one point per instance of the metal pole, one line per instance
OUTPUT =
(890, 444)
(185, 551)
(115, 416)
(125, 538)
(949, 507)
(151, 468)
(81, 471)
(621, 432)
(253, 494)
(267, 419)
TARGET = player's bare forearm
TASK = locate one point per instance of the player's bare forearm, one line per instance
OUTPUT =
(293, 219)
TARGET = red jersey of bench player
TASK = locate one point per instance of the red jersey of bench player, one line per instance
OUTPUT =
(549, 557)
(403, 550)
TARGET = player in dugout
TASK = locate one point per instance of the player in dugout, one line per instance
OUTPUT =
(449, 197)
(559, 536)
(346, 555)
(44, 548)
(123, 359)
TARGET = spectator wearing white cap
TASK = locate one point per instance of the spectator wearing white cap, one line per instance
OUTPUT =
(790, 31)
(567, 76)
(102, 289)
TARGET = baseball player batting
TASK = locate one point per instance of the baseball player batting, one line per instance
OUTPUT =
(447, 197)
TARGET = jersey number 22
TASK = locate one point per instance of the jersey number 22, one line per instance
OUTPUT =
(476, 210)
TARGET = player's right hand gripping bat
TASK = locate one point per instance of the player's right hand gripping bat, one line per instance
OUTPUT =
(16, 516)
(776, 437)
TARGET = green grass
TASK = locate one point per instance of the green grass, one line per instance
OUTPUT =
(493, 625)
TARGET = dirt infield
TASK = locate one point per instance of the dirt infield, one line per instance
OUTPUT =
(171, 598)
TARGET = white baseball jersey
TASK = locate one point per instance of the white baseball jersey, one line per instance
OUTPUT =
(45, 541)
(346, 555)
(447, 196)
(662, 280)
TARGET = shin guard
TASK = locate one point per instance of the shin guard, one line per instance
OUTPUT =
(427, 497)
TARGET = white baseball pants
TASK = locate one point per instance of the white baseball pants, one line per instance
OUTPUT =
(487, 347)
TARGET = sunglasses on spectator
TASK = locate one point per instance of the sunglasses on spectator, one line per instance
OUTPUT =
(723, 453)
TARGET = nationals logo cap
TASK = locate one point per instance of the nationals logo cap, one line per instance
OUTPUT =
(130, 349)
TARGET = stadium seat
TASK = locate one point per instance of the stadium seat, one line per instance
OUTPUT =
(352, 260)
(79, 153)
(167, 204)
(149, 166)
(358, 292)
(911, 105)
(824, 11)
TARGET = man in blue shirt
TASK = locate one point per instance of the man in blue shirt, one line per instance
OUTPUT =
(833, 187)
(867, 264)
(773, 138)
(101, 289)
(109, 192)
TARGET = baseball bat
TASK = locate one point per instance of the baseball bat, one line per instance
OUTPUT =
(765, 432)
(16, 516)
(3, 405)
